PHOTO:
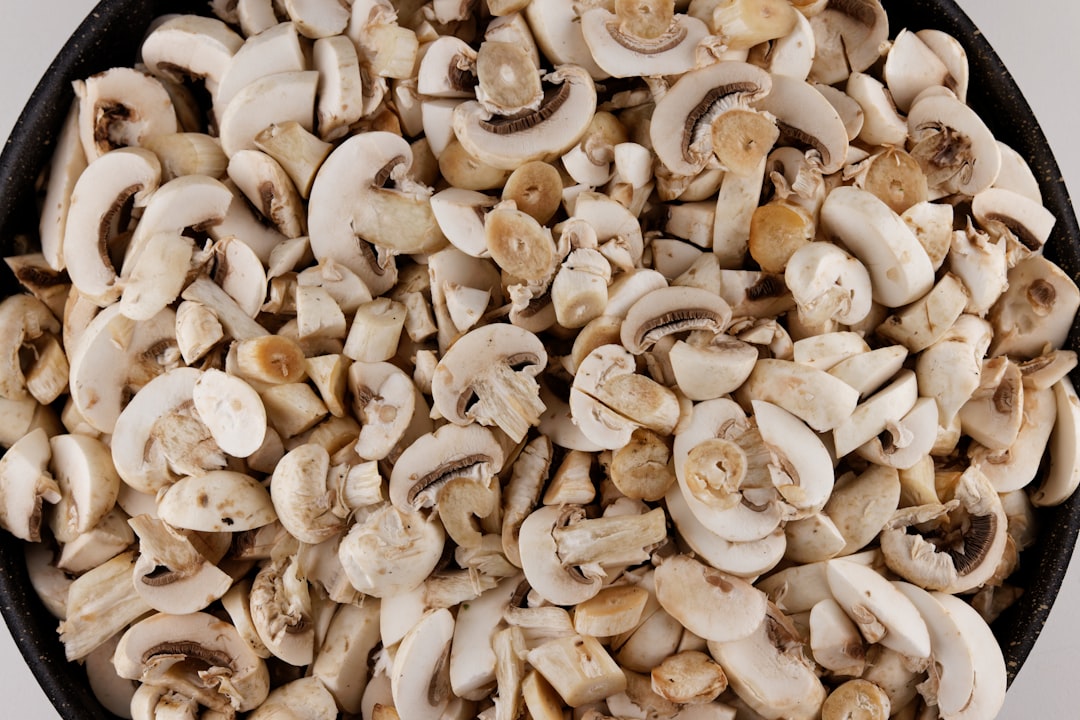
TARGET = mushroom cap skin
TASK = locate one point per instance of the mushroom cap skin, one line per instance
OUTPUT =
(219, 501)
(806, 117)
(544, 134)
(1036, 308)
(301, 497)
(153, 650)
(556, 27)
(451, 451)
(623, 55)
(304, 699)
(817, 398)
(388, 552)
(275, 49)
(232, 411)
(712, 604)
(680, 127)
(67, 165)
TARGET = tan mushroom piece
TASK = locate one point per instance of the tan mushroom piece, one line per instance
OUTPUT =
(953, 145)
(234, 676)
(507, 142)
(67, 164)
(25, 322)
(269, 100)
(713, 605)
(556, 27)
(669, 310)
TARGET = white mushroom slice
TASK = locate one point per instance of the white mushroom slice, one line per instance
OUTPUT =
(951, 52)
(955, 148)
(698, 595)
(163, 650)
(192, 46)
(556, 27)
(460, 214)
(882, 410)
(352, 635)
(507, 142)
(829, 350)
(671, 310)
(472, 659)
(112, 691)
(389, 407)
(171, 574)
(834, 639)
(911, 439)
(920, 324)
(273, 49)
(453, 451)
(1016, 467)
(67, 164)
(827, 283)
(612, 611)
(281, 610)
(623, 53)
(1035, 310)
(1026, 219)
(26, 323)
(791, 54)
(769, 672)
(882, 612)
(1063, 476)
(304, 699)
(269, 189)
(297, 150)
(548, 575)
(101, 602)
(900, 270)
(1016, 175)
(271, 99)
(496, 365)
(387, 552)
(447, 69)
(134, 353)
(219, 501)
(618, 231)
(83, 469)
(317, 18)
(988, 693)
(680, 130)
(743, 559)
(25, 484)
(981, 262)
(708, 365)
(800, 472)
(911, 66)
(341, 226)
(103, 541)
(126, 174)
(950, 652)
(806, 118)
(120, 107)
(882, 122)
(157, 279)
(242, 222)
(848, 38)
(578, 668)
(745, 23)
(819, 399)
(993, 415)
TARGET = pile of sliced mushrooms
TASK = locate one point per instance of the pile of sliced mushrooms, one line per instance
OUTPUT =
(557, 359)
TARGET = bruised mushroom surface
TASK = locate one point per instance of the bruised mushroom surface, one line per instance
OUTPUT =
(516, 358)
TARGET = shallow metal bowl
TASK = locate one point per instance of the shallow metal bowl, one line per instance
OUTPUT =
(110, 37)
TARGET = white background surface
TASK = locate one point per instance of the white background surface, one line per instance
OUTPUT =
(1037, 39)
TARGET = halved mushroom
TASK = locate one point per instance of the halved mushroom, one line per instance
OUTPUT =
(196, 655)
(937, 558)
(217, 501)
(882, 122)
(488, 375)
(669, 310)
(988, 693)
(83, 470)
(25, 484)
(848, 37)
(712, 604)
(119, 107)
(1004, 212)
(806, 119)
(507, 142)
(681, 127)
(628, 42)
(451, 452)
(1016, 466)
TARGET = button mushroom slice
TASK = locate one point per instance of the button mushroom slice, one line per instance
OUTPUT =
(827, 283)
(519, 245)
(171, 575)
(768, 671)
(961, 549)
(693, 593)
(472, 658)
(522, 492)
(1047, 369)
(25, 484)
(579, 669)
(190, 46)
(806, 118)
(119, 107)
(623, 47)
(298, 151)
(548, 575)
(1016, 466)
(884, 615)
(894, 176)
(306, 698)
(910, 67)
(506, 142)
(816, 397)
(159, 276)
(83, 470)
(96, 215)
(270, 99)
(236, 602)
(600, 546)
(919, 325)
(274, 48)
(282, 609)
(419, 678)
(67, 164)
(881, 411)
(993, 414)
(1063, 475)
(26, 324)
(882, 122)
(835, 641)
(387, 552)
(100, 603)
(827, 351)
(488, 376)
(507, 78)
(460, 214)
(708, 365)
(1006, 213)
(113, 692)
(954, 666)
(955, 148)
(612, 611)
(269, 188)
(689, 677)
(746, 559)
(813, 538)
(618, 231)
(911, 439)
(949, 50)
(1036, 309)
(746, 23)
(196, 655)
(882, 242)
(389, 407)
(800, 469)
(556, 28)
(447, 69)
(217, 501)
(240, 221)
(981, 262)
(669, 310)
(848, 37)
(681, 128)
(988, 692)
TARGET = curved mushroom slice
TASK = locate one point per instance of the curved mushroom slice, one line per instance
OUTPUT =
(508, 78)
(1004, 212)
(1035, 310)
(269, 188)
(269, 100)
(83, 469)
(900, 270)
(956, 150)
(994, 413)
(806, 119)
(115, 358)
(25, 484)
(708, 365)
(988, 692)
(397, 220)
(623, 50)
(190, 46)
(1063, 476)
(554, 580)
(120, 107)
(848, 36)
(834, 639)
(304, 699)
(282, 610)
(819, 399)
(939, 560)
(507, 142)
(670, 310)
(1016, 466)
(910, 67)
(196, 655)
(487, 376)
(447, 69)
(23, 320)
(801, 471)
(158, 278)
(828, 284)
(452, 451)
(171, 574)
(556, 27)
(713, 605)
(218, 501)
(388, 552)
(67, 164)
(96, 214)
(769, 671)
(681, 127)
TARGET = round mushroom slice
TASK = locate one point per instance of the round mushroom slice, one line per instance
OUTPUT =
(713, 605)
(452, 451)
(219, 501)
(232, 410)
(120, 107)
(419, 677)
(956, 150)
(957, 546)
(488, 376)
(190, 46)
(681, 127)
(623, 50)
(196, 655)
(806, 118)
(508, 78)
(388, 552)
(89, 485)
(670, 310)
(507, 142)
(848, 37)
(396, 220)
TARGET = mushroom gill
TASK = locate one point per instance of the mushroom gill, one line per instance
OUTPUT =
(554, 98)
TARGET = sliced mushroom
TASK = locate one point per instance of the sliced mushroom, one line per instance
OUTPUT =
(953, 145)
(848, 37)
(693, 593)
(1036, 309)
(626, 44)
(218, 501)
(806, 119)
(190, 46)
(828, 284)
(387, 551)
(119, 107)
(67, 164)
(25, 484)
(171, 574)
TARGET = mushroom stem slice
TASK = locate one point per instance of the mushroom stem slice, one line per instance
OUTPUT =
(579, 668)
(101, 602)
(616, 540)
